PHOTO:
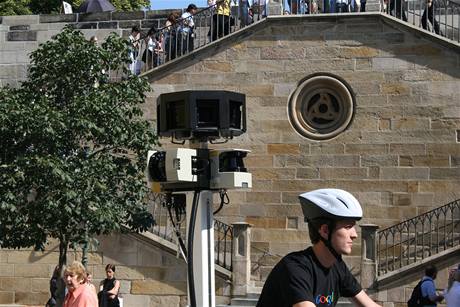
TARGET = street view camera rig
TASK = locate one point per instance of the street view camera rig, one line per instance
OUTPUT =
(199, 117)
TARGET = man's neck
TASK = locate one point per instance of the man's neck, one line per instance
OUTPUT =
(324, 255)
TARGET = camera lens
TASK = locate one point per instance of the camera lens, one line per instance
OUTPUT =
(157, 166)
(232, 161)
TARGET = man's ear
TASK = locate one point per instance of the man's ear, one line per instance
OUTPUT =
(324, 231)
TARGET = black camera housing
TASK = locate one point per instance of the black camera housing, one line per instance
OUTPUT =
(201, 115)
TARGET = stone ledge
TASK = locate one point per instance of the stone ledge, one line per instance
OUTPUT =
(108, 25)
(128, 15)
(103, 16)
(20, 20)
(19, 36)
(85, 25)
(20, 28)
(51, 18)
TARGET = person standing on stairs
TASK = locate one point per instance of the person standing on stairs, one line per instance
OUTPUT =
(318, 276)
(428, 288)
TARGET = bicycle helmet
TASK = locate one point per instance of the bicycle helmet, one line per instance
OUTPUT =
(333, 204)
(327, 206)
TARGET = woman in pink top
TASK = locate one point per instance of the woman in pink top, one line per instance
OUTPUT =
(80, 294)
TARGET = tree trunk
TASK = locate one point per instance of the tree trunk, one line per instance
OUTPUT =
(60, 292)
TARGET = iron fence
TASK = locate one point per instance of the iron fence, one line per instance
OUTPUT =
(302, 7)
(186, 34)
(223, 238)
(441, 17)
(418, 238)
(170, 229)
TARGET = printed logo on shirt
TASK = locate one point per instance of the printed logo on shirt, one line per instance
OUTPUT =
(322, 299)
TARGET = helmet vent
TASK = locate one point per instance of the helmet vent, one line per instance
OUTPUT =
(343, 202)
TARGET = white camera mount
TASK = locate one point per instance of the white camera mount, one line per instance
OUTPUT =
(200, 117)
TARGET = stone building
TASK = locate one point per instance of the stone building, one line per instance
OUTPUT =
(398, 150)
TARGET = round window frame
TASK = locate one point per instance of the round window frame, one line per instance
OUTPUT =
(313, 85)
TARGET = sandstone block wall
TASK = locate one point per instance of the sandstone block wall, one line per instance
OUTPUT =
(399, 156)
(20, 35)
(149, 277)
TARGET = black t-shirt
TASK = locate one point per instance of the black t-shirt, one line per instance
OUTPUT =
(300, 277)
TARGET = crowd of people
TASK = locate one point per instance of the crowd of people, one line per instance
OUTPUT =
(77, 289)
(178, 35)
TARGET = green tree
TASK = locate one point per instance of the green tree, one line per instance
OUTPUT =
(73, 144)
(130, 5)
(48, 6)
(14, 7)
(54, 6)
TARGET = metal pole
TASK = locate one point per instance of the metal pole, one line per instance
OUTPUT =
(203, 252)
(203, 246)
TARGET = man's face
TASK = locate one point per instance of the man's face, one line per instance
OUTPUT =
(343, 236)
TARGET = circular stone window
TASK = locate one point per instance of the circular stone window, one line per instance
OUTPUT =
(321, 107)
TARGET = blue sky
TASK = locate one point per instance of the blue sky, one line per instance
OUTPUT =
(172, 4)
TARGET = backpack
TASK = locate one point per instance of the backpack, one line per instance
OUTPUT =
(416, 299)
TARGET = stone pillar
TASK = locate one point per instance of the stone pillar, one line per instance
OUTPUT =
(241, 258)
(274, 7)
(368, 255)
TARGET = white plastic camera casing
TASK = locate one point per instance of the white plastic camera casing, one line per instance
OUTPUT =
(227, 180)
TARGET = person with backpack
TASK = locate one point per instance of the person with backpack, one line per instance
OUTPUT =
(317, 276)
(424, 293)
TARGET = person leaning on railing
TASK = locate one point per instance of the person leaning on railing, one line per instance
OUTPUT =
(341, 6)
(170, 37)
(134, 46)
(428, 15)
(154, 42)
(187, 29)
(243, 11)
(398, 9)
(221, 22)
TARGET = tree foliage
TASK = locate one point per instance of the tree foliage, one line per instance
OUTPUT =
(73, 145)
(54, 6)
(130, 5)
(14, 7)
(24, 7)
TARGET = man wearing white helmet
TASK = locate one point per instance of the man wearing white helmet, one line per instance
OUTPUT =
(317, 276)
